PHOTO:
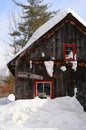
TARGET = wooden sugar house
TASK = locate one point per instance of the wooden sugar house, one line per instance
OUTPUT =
(53, 62)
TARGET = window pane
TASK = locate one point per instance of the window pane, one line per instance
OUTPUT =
(43, 89)
(69, 50)
(40, 87)
(47, 89)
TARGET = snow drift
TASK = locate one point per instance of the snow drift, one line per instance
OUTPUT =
(63, 113)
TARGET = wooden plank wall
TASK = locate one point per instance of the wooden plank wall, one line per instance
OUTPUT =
(52, 47)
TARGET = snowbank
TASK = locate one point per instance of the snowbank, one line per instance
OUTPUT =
(11, 97)
(37, 114)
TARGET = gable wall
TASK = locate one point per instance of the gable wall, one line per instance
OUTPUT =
(52, 47)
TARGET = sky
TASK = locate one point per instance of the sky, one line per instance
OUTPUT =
(6, 8)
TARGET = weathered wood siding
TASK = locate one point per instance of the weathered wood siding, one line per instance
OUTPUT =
(52, 48)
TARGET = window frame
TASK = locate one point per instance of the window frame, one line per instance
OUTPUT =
(74, 51)
(44, 81)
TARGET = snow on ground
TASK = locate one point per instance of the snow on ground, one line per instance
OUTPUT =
(42, 114)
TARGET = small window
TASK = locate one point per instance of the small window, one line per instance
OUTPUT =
(69, 52)
(43, 89)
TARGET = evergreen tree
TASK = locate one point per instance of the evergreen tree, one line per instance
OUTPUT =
(34, 15)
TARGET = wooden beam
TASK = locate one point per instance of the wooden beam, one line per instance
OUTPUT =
(82, 64)
(35, 76)
(29, 75)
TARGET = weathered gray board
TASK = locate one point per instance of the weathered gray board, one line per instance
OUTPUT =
(29, 75)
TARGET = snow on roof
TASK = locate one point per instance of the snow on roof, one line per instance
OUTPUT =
(51, 23)
(48, 25)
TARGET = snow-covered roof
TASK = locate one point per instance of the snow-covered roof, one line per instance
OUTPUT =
(48, 25)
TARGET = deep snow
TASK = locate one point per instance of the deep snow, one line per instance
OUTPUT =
(63, 113)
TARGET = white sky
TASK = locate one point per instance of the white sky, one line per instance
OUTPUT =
(6, 7)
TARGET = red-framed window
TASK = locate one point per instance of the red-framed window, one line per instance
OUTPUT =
(43, 88)
(69, 52)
